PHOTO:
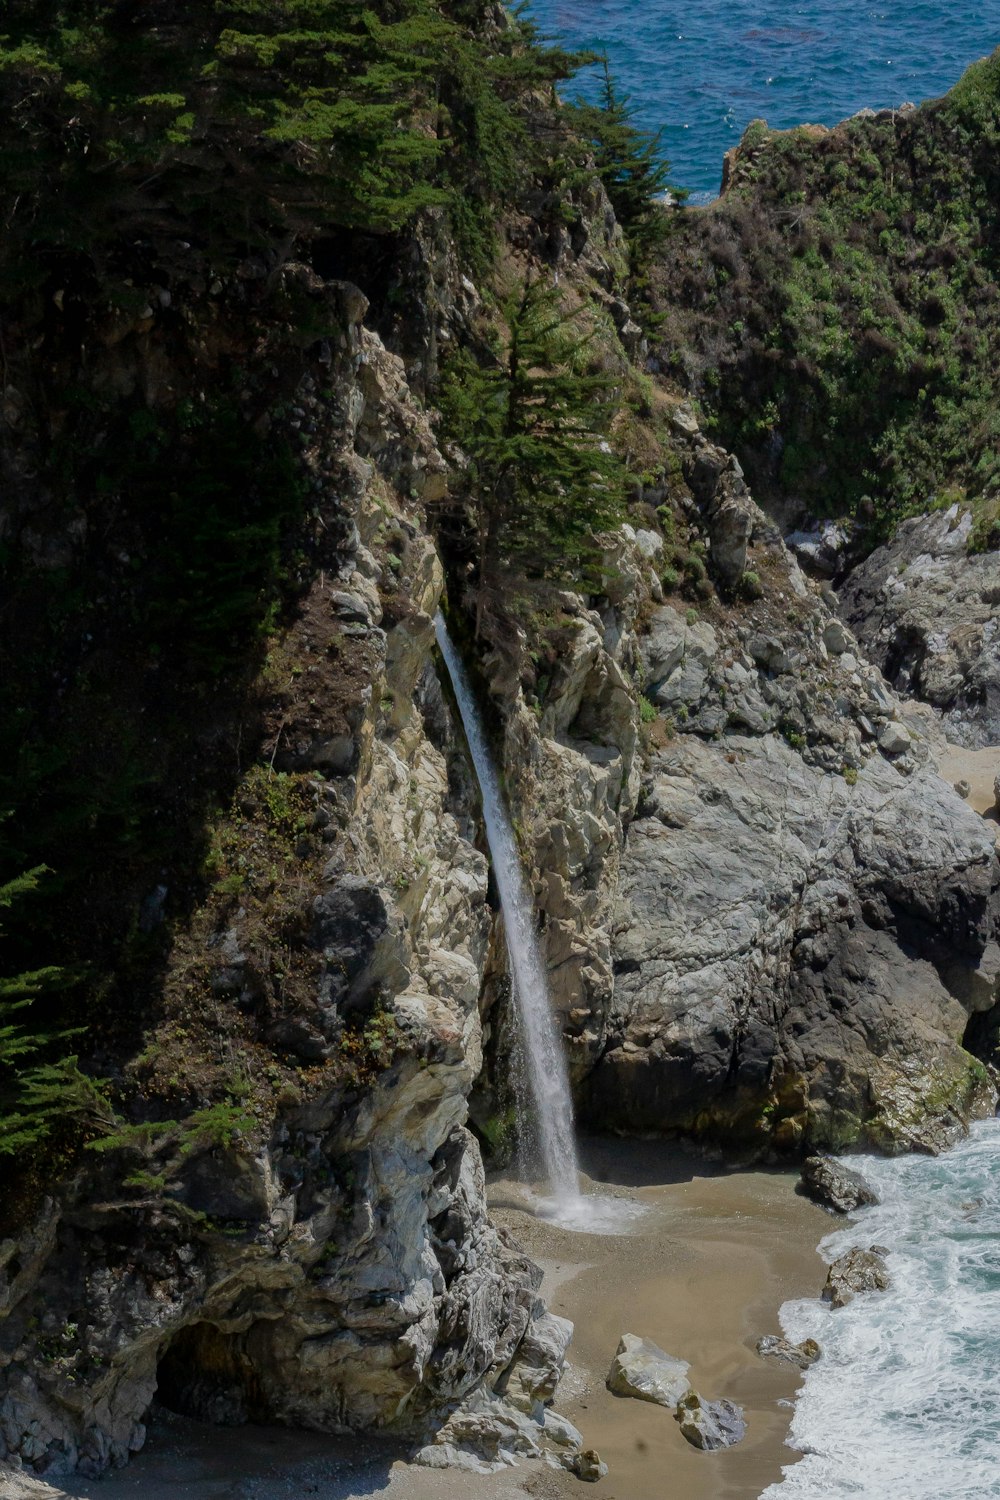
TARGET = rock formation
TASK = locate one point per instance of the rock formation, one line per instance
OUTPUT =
(926, 608)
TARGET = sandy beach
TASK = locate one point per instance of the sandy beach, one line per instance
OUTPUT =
(706, 1259)
(979, 768)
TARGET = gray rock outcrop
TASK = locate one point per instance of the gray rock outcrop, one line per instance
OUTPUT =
(928, 612)
(780, 943)
(835, 1186)
(776, 925)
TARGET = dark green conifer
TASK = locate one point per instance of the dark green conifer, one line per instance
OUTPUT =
(543, 481)
(629, 162)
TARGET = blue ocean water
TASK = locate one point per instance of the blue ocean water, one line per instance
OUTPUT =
(905, 1399)
(703, 69)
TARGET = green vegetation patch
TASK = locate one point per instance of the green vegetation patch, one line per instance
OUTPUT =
(838, 311)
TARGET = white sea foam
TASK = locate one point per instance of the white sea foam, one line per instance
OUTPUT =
(905, 1400)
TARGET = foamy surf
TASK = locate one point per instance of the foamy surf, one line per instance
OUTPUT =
(905, 1400)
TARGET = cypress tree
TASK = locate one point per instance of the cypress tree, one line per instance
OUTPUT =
(629, 162)
(543, 481)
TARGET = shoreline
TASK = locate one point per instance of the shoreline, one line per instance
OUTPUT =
(702, 1271)
(703, 1274)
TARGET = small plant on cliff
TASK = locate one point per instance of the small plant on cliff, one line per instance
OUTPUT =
(543, 481)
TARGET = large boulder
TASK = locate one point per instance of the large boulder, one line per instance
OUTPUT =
(640, 1368)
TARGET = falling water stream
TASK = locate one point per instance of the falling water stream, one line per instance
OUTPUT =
(546, 1064)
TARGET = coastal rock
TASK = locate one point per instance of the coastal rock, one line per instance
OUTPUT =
(640, 1368)
(925, 609)
(710, 1425)
(801, 1355)
(781, 946)
(835, 1186)
(337, 1271)
(856, 1271)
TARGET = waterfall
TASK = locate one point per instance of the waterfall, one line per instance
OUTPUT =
(546, 1063)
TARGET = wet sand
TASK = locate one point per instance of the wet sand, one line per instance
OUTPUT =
(702, 1271)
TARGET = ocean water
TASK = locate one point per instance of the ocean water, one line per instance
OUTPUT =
(703, 69)
(905, 1400)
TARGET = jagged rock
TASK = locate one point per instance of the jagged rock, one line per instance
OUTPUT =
(640, 1368)
(487, 1434)
(894, 740)
(534, 1375)
(801, 1355)
(856, 1271)
(835, 1186)
(925, 609)
(710, 1425)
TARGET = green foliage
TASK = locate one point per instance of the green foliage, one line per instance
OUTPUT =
(543, 481)
(248, 118)
(51, 1090)
(840, 307)
(630, 163)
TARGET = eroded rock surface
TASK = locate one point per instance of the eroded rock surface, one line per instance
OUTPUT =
(780, 944)
(928, 612)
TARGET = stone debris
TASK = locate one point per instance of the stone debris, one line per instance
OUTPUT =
(643, 1370)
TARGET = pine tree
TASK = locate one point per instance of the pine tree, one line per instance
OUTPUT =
(543, 481)
(629, 162)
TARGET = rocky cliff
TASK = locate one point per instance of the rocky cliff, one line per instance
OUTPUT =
(768, 922)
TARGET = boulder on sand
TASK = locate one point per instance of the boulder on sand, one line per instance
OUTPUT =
(709, 1424)
(642, 1369)
(827, 1182)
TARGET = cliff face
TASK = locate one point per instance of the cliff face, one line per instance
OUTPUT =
(777, 921)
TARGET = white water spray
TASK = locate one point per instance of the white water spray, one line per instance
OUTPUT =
(547, 1073)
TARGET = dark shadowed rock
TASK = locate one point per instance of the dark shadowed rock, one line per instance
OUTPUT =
(827, 1182)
